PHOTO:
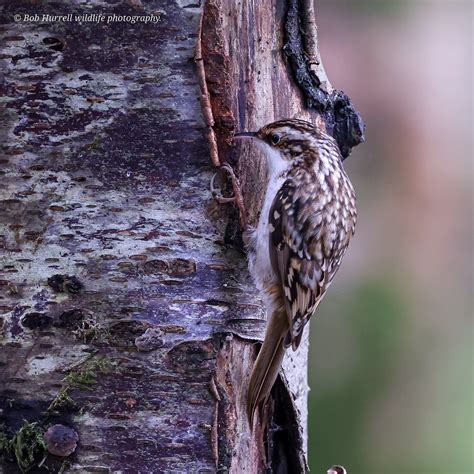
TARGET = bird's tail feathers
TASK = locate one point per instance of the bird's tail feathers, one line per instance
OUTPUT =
(268, 363)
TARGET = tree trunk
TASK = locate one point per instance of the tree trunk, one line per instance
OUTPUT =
(129, 314)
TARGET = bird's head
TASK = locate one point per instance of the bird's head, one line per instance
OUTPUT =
(284, 135)
(287, 141)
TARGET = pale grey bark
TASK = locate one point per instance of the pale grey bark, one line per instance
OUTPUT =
(128, 311)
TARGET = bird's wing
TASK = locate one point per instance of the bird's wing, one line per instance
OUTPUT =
(298, 224)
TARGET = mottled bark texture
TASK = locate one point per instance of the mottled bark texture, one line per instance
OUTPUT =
(127, 311)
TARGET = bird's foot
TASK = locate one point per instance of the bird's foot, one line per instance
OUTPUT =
(237, 198)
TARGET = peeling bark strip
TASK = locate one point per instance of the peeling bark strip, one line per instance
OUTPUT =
(341, 118)
(205, 100)
(217, 72)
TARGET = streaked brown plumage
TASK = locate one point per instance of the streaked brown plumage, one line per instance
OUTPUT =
(307, 220)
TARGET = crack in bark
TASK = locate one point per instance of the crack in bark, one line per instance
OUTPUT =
(284, 438)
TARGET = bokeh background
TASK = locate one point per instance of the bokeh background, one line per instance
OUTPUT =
(391, 370)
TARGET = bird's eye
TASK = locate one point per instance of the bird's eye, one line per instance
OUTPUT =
(274, 138)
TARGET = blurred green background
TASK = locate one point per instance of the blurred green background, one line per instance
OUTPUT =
(391, 370)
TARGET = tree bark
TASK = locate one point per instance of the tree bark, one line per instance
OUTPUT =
(129, 314)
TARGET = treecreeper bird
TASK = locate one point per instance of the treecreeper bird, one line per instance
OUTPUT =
(306, 222)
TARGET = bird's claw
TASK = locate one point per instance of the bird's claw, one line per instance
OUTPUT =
(217, 194)
(236, 198)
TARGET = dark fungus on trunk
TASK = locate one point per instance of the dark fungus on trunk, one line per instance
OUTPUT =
(341, 119)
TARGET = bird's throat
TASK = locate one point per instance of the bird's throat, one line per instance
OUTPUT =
(276, 163)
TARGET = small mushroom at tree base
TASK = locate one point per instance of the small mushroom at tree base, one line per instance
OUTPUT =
(61, 440)
(337, 470)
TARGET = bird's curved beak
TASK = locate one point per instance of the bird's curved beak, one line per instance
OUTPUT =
(246, 135)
